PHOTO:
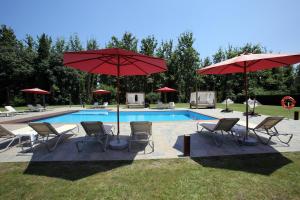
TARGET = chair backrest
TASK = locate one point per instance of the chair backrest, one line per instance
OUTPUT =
(43, 128)
(96, 104)
(226, 124)
(144, 127)
(39, 106)
(93, 128)
(10, 109)
(171, 103)
(4, 132)
(105, 103)
(269, 122)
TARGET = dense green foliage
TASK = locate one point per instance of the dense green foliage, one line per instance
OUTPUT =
(30, 62)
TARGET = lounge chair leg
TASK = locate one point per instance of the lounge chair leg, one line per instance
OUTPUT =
(215, 134)
(152, 146)
(105, 143)
(9, 145)
(129, 146)
(285, 134)
(198, 129)
(55, 145)
(77, 146)
(261, 141)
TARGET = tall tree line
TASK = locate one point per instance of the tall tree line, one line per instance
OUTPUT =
(38, 62)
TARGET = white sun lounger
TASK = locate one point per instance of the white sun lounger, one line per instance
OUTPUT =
(46, 132)
(11, 136)
(141, 132)
(96, 131)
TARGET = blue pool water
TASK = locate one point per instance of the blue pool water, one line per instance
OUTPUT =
(127, 116)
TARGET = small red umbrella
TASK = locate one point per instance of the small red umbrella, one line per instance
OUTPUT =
(116, 62)
(101, 92)
(37, 91)
(250, 63)
(166, 90)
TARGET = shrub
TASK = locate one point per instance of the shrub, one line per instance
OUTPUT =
(152, 97)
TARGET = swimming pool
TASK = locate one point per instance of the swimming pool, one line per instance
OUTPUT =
(127, 116)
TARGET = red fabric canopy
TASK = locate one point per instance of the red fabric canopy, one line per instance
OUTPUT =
(106, 61)
(35, 91)
(252, 62)
(166, 89)
(116, 62)
(101, 92)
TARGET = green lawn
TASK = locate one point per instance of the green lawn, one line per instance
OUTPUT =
(264, 109)
(272, 176)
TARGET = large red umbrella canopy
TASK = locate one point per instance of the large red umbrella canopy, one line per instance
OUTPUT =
(166, 89)
(116, 62)
(250, 63)
(101, 92)
(35, 91)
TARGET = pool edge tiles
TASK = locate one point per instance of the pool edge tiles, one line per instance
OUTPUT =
(127, 116)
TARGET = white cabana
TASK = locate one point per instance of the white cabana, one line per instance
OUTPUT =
(205, 99)
(135, 100)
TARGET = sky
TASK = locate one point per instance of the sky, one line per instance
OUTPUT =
(275, 24)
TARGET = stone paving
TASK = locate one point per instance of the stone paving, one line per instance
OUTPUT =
(168, 139)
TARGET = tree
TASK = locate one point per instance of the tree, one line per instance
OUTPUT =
(186, 61)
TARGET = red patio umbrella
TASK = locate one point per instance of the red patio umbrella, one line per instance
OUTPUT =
(250, 63)
(101, 92)
(166, 90)
(116, 62)
(37, 91)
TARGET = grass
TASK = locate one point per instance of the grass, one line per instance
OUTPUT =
(263, 109)
(270, 176)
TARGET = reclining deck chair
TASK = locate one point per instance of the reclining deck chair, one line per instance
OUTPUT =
(13, 110)
(96, 130)
(7, 114)
(32, 108)
(104, 105)
(223, 125)
(11, 136)
(267, 126)
(141, 132)
(39, 106)
(47, 132)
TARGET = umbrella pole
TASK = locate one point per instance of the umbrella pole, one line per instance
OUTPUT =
(118, 97)
(118, 144)
(246, 95)
(44, 102)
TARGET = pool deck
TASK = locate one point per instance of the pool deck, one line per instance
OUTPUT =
(167, 136)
